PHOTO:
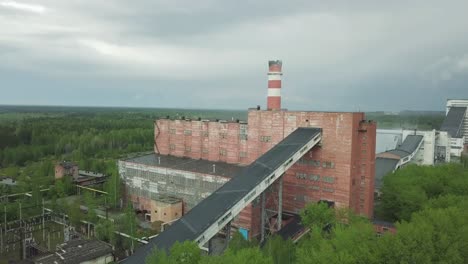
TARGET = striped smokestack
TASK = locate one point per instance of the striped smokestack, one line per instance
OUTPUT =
(274, 85)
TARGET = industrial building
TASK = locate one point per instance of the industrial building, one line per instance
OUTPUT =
(456, 125)
(79, 177)
(79, 251)
(249, 175)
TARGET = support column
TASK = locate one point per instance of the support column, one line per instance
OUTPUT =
(228, 233)
(262, 224)
(280, 203)
(210, 246)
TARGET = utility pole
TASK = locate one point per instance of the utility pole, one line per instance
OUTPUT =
(262, 225)
(43, 221)
(20, 216)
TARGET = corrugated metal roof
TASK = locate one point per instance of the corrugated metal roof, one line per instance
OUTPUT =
(191, 225)
(409, 145)
(453, 122)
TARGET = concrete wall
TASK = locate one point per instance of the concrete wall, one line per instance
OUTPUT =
(165, 212)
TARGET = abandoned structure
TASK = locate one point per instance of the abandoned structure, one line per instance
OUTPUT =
(79, 177)
(251, 174)
(79, 252)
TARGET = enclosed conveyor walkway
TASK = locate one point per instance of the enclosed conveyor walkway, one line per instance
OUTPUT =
(213, 213)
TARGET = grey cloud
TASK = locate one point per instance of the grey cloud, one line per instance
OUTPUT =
(348, 54)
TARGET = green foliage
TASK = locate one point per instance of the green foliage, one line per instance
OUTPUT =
(317, 215)
(238, 242)
(90, 203)
(113, 186)
(281, 252)
(180, 253)
(74, 214)
(105, 231)
(408, 189)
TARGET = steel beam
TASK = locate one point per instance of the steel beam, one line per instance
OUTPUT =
(280, 203)
(262, 224)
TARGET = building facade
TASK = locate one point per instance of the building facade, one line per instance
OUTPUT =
(340, 171)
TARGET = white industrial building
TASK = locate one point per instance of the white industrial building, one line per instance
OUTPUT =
(398, 147)
(435, 145)
(456, 124)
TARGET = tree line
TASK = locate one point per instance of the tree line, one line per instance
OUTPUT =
(428, 204)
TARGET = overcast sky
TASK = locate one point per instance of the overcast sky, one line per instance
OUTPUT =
(355, 55)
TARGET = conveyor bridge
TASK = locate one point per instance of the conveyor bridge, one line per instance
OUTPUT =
(218, 210)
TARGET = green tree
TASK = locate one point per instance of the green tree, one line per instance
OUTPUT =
(129, 226)
(238, 242)
(317, 214)
(74, 214)
(105, 231)
(90, 203)
(180, 253)
(281, 251)
(113, 187)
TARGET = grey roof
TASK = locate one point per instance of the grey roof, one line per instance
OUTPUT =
(409, 145)
(383, 166)
(188, 164)
(77, 251)
(191, 225)
(453, 122)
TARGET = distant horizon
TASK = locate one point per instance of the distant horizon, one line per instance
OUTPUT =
(210, 109)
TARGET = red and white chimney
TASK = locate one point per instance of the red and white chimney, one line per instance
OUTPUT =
(274, 85)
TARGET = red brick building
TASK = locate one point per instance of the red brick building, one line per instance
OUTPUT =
(66, 168)
(339, 171)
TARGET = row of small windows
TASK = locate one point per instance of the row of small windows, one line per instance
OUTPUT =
(222, 152)
(314, 177)
(316, 163)
(223, 135)
(265, 139)
(325, 189)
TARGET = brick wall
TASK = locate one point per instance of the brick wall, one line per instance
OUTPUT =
(341, 170)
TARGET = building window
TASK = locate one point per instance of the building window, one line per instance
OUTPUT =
(364, 151)
(223, 135)
(188, 132)
(243, 132)
(205, 150)
(205, 133)
(265, 138)
(328, 190)
(315, 163)
(328, 164)
(301, 175)
(222, 152)
(172, 131)
(188, 149)
(243, 154)
(328, 179)
(172, 146)
(314, 177)
(315, 188)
